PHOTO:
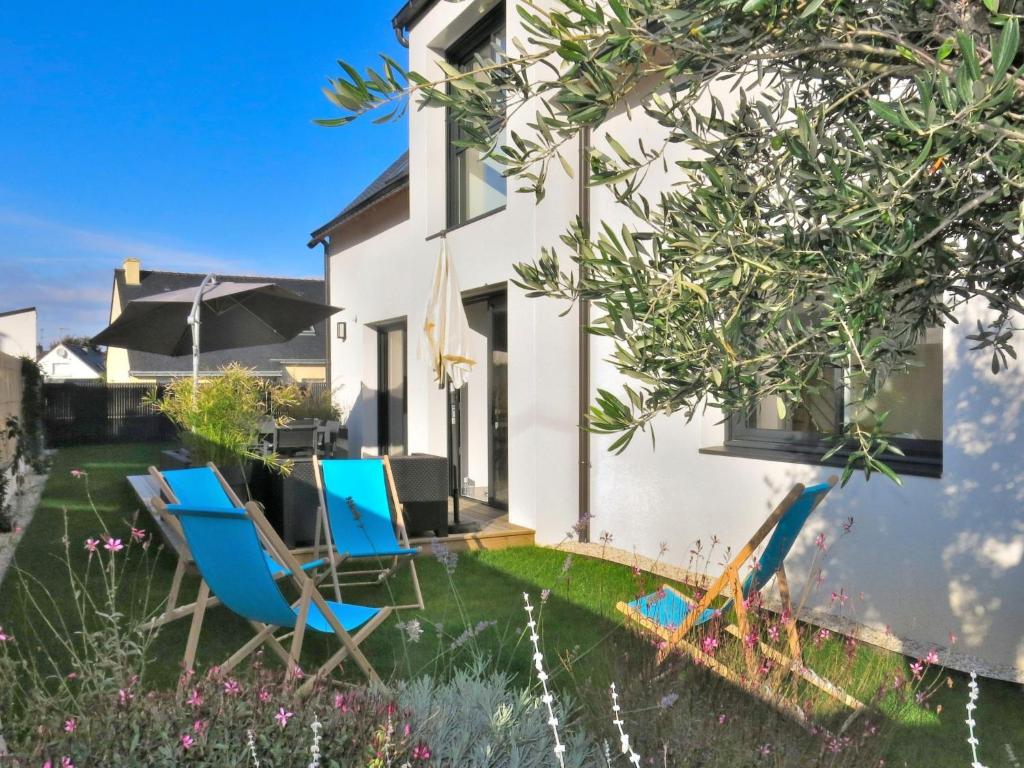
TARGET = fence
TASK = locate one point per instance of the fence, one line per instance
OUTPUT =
(10, 402)
(87, 412)
(79, 413)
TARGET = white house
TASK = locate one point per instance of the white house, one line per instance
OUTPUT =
(67, 362)
(19, 332)
(942, 554)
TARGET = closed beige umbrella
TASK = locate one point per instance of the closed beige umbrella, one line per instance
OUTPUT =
(445, 340)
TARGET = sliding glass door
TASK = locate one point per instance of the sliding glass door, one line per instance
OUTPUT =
(480, 408)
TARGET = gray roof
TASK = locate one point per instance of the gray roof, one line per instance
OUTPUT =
(21, 311)
(267, 359)
(90, 356)
(394, 177)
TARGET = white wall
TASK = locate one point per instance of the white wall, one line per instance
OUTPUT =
(18, 334)
(930, 558)
(384, 273)
(67, 366)
(934, 557)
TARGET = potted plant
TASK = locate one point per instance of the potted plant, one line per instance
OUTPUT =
(220, 421)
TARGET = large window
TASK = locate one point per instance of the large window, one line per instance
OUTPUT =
(912, 399)
(476, 185)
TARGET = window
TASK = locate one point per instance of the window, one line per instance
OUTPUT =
(476, 184)
(913, 400)
(392, 383)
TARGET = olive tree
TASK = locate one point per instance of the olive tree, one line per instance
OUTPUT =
(868, 182)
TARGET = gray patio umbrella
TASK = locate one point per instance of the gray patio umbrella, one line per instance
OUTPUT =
(231, 315)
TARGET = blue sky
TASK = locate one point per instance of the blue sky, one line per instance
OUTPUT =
(179, 133)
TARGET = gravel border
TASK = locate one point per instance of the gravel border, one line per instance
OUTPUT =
(22, 509)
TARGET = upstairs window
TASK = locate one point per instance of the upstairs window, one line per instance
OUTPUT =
(476, 185)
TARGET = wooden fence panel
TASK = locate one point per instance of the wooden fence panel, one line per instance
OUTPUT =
(10, 402)
(86, 413)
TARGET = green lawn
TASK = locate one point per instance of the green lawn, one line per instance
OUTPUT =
(585, 641)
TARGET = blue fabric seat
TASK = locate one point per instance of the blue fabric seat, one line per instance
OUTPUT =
(362, 521)
(228, 546)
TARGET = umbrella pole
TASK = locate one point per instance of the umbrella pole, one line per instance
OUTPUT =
(193, 321)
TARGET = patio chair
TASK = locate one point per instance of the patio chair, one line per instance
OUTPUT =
(671, 615)
(362, 520)
(230, 547)
(204, 487)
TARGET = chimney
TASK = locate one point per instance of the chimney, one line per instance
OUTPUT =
(131, 271)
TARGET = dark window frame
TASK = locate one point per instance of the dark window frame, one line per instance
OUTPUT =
(458, 55)
(921, 457)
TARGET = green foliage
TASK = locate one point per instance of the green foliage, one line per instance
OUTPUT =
(220, 420)
(319, 405)
(866, 180)
(30, 439)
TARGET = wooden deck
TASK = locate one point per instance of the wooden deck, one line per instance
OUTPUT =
(483, 527)
(486, 528)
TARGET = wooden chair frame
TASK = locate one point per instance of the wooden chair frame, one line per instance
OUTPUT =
(325, 537)
(730, 585)
(266, 634)
(172, 611)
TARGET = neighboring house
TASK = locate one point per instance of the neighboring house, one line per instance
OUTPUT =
(72, 362)
(941, 554)
(19, 332)
(303, 359)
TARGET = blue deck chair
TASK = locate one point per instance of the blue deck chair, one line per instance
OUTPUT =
(203, 487)
(362, 520)
(672, 615)
(229, 546)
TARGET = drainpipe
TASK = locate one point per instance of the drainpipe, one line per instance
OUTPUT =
(583, 193)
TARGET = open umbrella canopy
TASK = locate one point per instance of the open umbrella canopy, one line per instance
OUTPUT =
(231, 314)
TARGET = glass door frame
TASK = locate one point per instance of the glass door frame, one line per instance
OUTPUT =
(384, 391)
(454, 404)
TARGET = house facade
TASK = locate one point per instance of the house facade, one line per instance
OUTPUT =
(301, 360)
(939, 556)
(72, 362)
(19, 332)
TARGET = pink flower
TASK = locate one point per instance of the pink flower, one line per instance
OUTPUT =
(773, 633)
(709, 644)
(283, 716)
(199, 726)
(341, 702)
(65, 762)
(820, 542)
(723, 719)
(113, 545)
(77, 473)
(751, 639)
(231, 687)
(91, 544)
(296, 672)
(187, 742)
(932, 657)
(69, 725)
(421, 752)
(918, 669)
(264, 695)
(124, 695)
(138, 534)
(4, 636)
(194, 699)
(764, 750)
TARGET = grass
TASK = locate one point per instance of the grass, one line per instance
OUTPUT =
(585, 641)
